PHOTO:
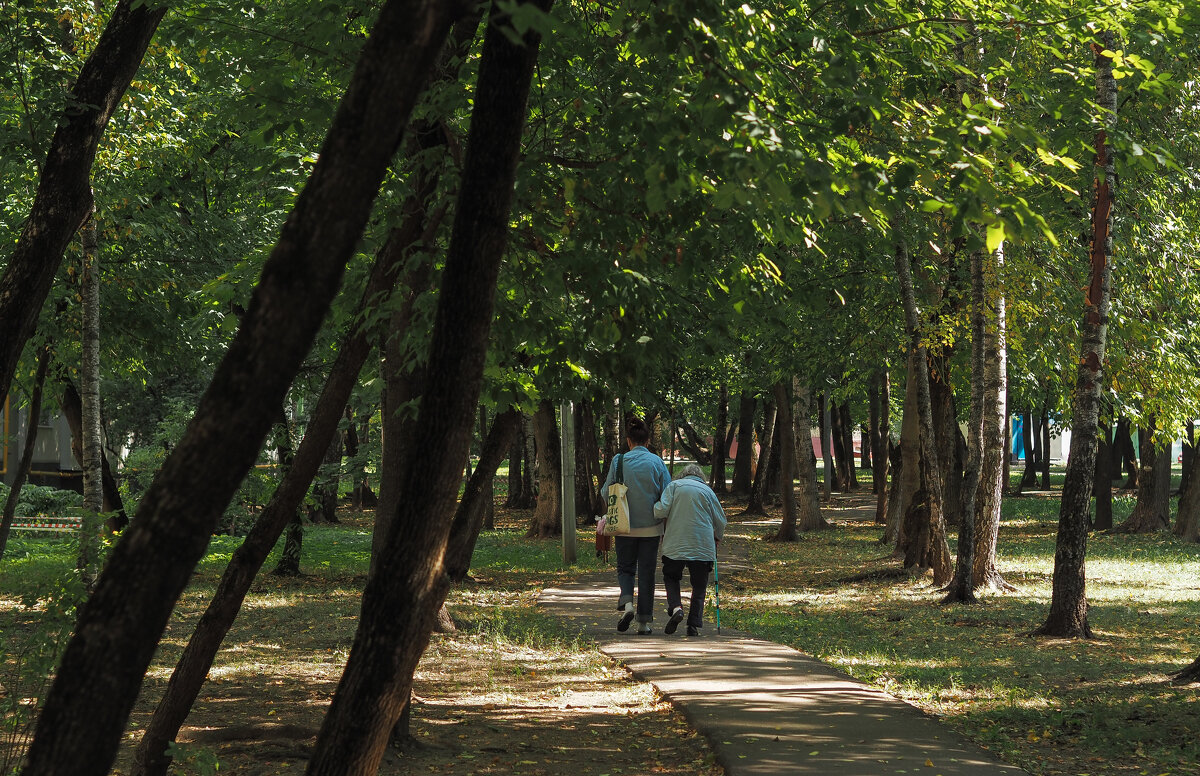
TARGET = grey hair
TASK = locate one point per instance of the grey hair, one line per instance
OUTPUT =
(691, 470)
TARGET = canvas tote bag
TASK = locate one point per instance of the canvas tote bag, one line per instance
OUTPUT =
(617, 520)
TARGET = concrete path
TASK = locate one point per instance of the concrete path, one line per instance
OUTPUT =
(766, 708)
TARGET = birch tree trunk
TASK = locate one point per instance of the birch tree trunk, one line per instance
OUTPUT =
(91, 527)
(985, 573)
(1068, 615)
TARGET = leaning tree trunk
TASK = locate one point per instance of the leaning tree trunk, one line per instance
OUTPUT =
(1068, 602)
(758, 494)
(34, 412)
(719, 449)
(743, 464)
(151, 758)
(97, 682)
(64, 194)
(547, 515)
(808, 500)
(386, 648)
(1152, 512)
(924, 529)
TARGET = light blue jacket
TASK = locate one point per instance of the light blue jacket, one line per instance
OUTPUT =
(646, 476)
(695, 520)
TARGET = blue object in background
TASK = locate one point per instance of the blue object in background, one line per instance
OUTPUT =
(1018, 437)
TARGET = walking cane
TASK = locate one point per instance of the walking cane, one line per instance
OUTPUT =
(717, 589)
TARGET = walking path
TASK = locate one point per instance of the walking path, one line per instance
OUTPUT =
(766, 708)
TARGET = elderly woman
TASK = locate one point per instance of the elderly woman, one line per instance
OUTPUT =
(695, 523)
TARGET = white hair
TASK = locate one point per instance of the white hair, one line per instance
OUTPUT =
(691, 470)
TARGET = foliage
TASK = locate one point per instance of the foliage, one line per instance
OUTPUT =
(37, 500)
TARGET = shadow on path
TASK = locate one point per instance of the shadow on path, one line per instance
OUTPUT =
(768, 709)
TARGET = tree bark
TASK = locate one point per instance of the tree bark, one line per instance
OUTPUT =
(1189, 506)
(743, 465)
(841, 456)
(1045, 461)
(322, 506)
(64, 195)
(787, 462)
(1123, 449)
(91, 531)
(880, 423)
(808, 502)
(71, 405)
(848, 445)
(758, 494)
(1029, 473)
(1152, 512)
(1189, 450)
(587, 461)
(962, 587)
(694, 444)
(924, 529)
(720, 449)
(88, 704)
(387, 647)
(33, 414)
(996, 446)
(1102, 482)
(1067, 617)
(546, 520)
(517, 496)
(825, 421)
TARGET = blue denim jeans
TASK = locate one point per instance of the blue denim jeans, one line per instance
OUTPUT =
(698, 571)
(637, 560)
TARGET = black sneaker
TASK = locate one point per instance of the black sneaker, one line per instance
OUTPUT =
(673, 623)
(626, 618)
(693, 631)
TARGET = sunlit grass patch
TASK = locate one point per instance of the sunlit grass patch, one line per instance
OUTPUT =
(1052, 706)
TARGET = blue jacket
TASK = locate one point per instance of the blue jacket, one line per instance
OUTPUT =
(694, 518)
(646, 476)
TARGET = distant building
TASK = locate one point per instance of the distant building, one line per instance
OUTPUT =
(53, 462)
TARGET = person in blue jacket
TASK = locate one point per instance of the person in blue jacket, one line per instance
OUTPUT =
(695, 522)
(637, 552)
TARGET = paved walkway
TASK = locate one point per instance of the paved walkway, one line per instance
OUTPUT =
(768, 709)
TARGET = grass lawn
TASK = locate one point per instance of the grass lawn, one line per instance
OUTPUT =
(1103, 706)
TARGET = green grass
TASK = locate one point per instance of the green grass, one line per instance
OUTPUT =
(1050, 706)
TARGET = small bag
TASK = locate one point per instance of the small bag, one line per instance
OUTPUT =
(617, 519)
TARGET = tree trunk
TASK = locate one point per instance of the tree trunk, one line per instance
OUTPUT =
(758, 493)
(1124, 449)
(962, 587)
(826, 422)
(587, 460)
(517, 496)
(879, 430)
(1189, 506)
(1045, 460)
(842, 457)
(293, 546)
(848, 445)
(787, 463)
(1152, 512)
(924, 529)
(1102, 482)
(547, 515)
(322, 506)
(985, 572)
(948, 443)
(864, 447)
(1189, 451)
(692, 442)
(71, 405)
(1068, 603)
(895, 497)
(64, 194)
(91, 529)
(808, 501)
(743, 465)
(1029, 473)
(378, 675)
(720, 449)
(87, 706)
(33, 414)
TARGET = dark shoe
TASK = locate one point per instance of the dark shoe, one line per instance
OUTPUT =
(643, 629)
(673, 623)
(626, 618)
(693, 631)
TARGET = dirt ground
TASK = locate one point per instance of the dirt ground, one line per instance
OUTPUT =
(483, 705)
